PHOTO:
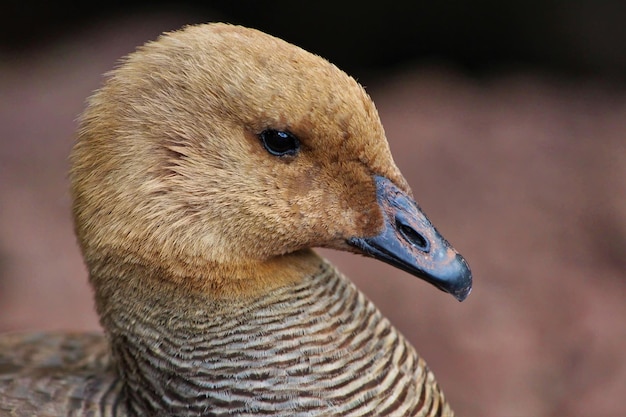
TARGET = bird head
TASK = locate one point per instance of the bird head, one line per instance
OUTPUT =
(219, 154)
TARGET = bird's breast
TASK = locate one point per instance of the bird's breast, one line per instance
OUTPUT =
(315, 347)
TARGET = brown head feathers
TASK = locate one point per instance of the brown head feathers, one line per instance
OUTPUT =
(170, 173)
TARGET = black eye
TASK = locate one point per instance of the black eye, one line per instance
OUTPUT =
(279, 142)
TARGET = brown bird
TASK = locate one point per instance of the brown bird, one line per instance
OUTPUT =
(206, 167)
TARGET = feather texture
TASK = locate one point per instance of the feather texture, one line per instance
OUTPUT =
(316, 348)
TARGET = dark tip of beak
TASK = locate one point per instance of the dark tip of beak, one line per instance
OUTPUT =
(410, 242)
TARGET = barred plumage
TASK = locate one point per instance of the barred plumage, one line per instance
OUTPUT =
(316, 348)
(319, 347)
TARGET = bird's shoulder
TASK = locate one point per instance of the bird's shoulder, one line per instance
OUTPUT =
(54, 374)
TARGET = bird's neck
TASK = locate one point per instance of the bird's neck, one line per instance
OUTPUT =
(180, 352)
(315, 346)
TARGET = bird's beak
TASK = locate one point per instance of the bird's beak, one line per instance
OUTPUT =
(410, 242)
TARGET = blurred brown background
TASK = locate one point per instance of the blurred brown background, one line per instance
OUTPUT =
(508, 120)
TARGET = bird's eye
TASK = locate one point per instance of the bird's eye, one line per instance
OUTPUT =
(280, 142)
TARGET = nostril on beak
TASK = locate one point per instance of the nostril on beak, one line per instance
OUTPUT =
(412, 236)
